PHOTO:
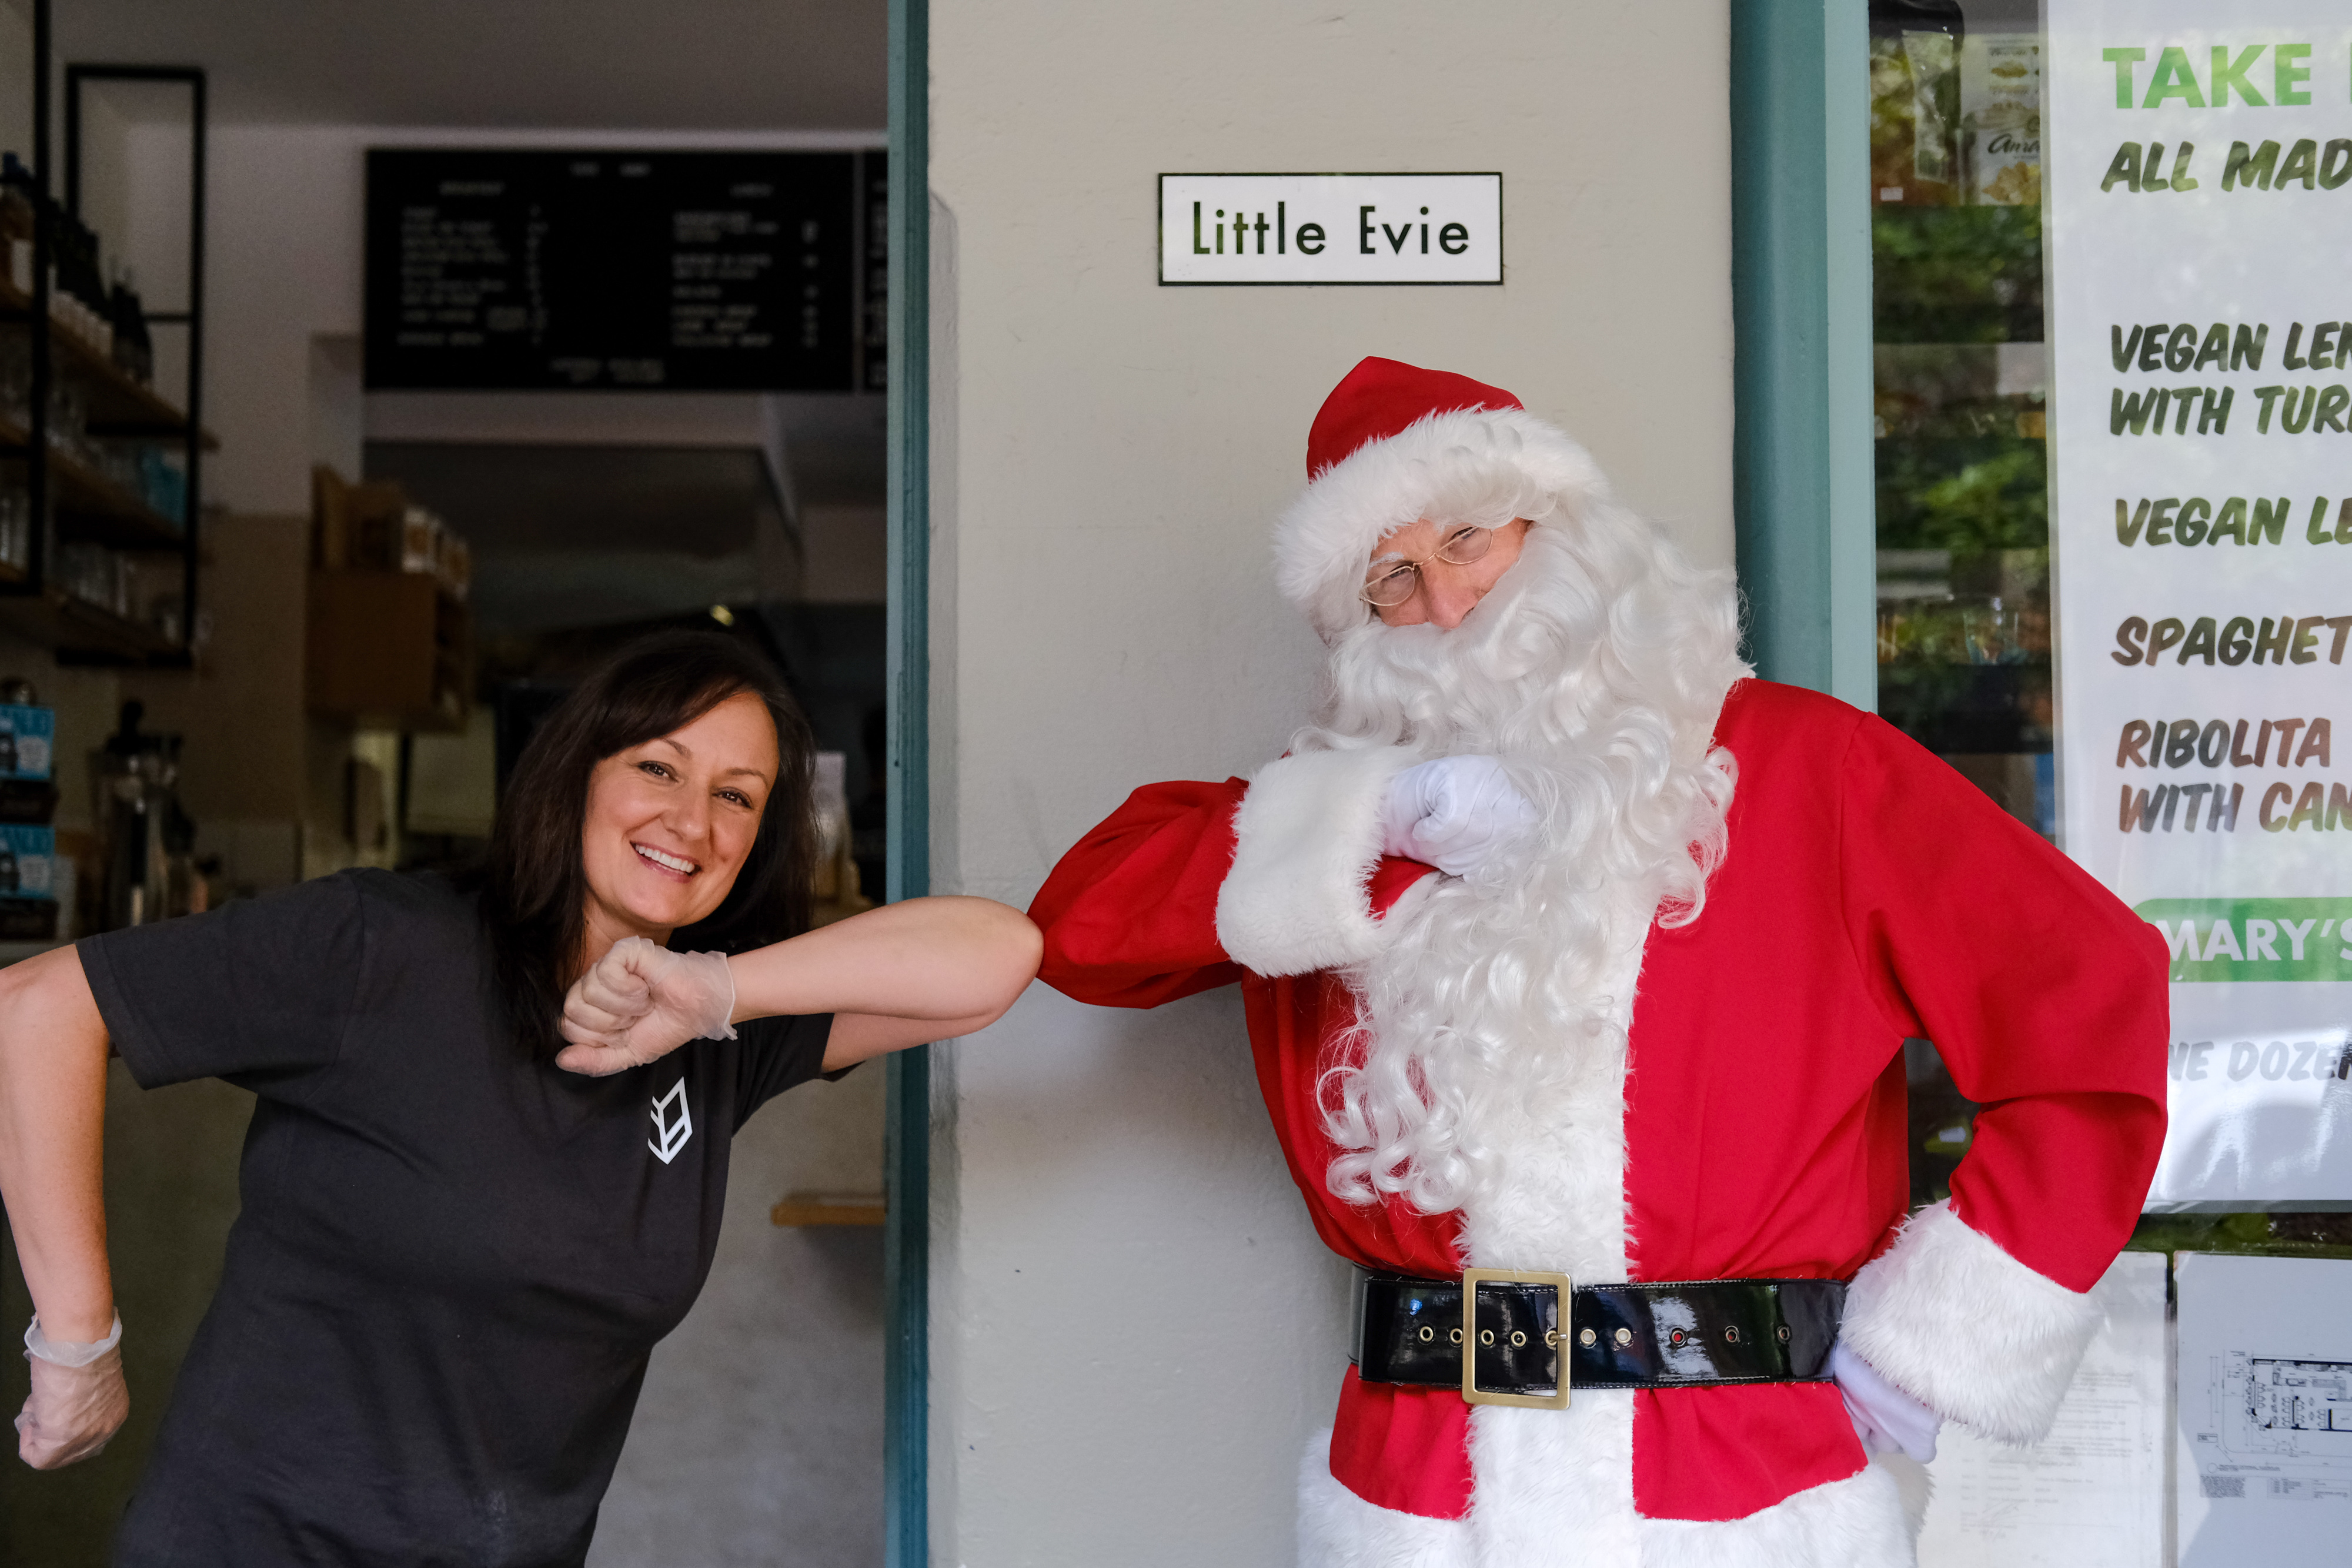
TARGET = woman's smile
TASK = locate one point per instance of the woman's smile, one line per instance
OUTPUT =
(677, 865)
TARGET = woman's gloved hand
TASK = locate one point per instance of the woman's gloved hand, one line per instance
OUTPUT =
(1887, 1419)
(641, 1001)
(78, 1399)
(1453, 813)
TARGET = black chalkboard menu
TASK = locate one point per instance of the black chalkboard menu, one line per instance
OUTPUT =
(691, 271)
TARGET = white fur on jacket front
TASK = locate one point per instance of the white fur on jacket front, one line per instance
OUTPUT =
(1961, 1326)
(1862, 1522)
(1306, 838)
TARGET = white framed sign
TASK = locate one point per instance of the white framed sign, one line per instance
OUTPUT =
(2200, 209)
(1330, 228)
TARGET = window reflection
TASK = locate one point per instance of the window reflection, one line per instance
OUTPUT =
(1961, 396)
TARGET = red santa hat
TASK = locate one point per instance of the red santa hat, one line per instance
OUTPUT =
(1393, 444)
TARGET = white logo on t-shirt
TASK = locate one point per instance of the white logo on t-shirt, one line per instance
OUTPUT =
(671, 1132)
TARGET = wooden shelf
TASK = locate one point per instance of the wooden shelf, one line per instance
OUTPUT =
(91, 507)
(826, 1208)
(388, 650)
(56, 620)
(118, 406)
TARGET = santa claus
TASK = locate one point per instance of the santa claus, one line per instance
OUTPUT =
(1578, 964)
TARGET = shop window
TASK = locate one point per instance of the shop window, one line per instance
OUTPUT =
(1992, 322)
(1961, 393)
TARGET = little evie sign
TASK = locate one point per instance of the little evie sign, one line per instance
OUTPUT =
(1330, 228)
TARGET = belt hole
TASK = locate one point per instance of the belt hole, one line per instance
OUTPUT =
(1517, 1338)
(1586, 1338)
(1676, 1337)
(1458, 1335)
(1486, 1336)
(1731, 1336)
(1551, 1338)
(1624, 1337)
(1784, 1333)
(1427, 1333)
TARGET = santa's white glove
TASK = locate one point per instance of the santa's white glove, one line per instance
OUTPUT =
(641, 1001)
(1453, 813)
(78, 1399)
(1887, 1419)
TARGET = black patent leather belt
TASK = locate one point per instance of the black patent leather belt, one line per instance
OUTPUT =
(1685, 1335)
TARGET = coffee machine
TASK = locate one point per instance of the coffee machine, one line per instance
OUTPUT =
(147, 836)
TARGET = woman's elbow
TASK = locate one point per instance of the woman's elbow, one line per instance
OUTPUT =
(1021, 949)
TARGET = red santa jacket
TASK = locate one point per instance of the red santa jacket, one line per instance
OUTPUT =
(1870, 894)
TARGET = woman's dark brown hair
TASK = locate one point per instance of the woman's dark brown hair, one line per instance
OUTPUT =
(534, 885)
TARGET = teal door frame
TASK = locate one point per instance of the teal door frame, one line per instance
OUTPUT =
(1802, 490)
(907, 1134)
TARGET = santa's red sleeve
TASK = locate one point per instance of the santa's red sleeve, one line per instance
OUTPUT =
(2046, 999)
(1188, 884)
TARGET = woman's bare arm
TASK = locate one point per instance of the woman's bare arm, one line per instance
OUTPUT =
(905, 974)
(53, 1052)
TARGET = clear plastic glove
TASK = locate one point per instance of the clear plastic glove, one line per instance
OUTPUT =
(1453, 813)
(78, 1399)
(1887, 1419)
(641, 1001)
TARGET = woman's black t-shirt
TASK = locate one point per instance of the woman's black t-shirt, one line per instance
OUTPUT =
(452, 1259)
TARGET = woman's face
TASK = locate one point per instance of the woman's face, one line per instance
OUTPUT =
(670, 821)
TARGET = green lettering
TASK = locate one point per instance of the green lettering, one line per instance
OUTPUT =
(2124, 168)
(2122, 60)
(2244, 167)
(2216, 350)
(2231, 524)
(2286, 73)
(2336, 164)
(2246, 347)
(2226, 76)
(2189, 528)
(2302, 164)
(2175, 77)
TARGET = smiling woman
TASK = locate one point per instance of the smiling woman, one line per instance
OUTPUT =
(462, 1236)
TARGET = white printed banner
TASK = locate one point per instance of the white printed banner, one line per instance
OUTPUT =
(1330, 228)
(2198, 185)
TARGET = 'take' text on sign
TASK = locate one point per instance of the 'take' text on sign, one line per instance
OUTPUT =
(1330, 228)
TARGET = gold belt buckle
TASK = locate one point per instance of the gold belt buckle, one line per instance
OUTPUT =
(1556, 1338)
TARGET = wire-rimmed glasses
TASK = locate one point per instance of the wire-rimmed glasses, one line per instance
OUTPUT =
(1392, 582)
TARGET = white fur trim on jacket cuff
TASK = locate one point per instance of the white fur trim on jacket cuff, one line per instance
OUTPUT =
(1306, 837)
(1957, 1324)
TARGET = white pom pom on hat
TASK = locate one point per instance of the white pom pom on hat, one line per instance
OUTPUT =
(1388, 439)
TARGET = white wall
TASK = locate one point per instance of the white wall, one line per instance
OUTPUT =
(1134, 1329)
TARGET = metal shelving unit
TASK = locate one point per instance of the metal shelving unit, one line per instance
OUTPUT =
(70, 501)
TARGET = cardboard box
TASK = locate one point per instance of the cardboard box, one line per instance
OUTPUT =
(27, 737)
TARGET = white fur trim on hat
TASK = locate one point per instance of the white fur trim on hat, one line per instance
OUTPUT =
(1326, 537)
(1306, 837)
(1959, 1324)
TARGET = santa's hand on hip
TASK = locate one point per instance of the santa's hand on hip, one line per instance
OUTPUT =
(1887, 1419)
(1453, 813)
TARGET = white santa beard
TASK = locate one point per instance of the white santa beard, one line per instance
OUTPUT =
(1499, 994)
